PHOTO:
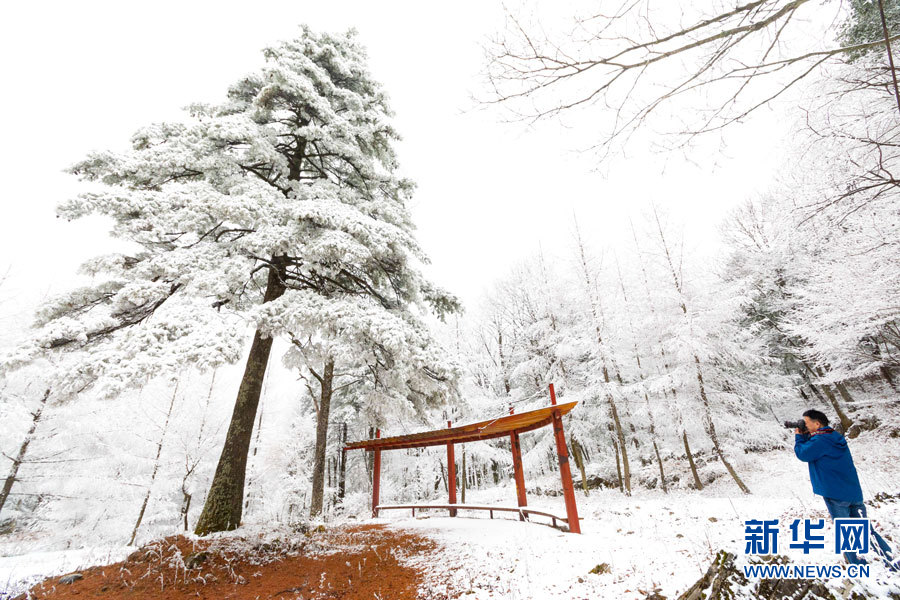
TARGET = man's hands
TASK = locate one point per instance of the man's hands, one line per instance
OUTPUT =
(797, 431)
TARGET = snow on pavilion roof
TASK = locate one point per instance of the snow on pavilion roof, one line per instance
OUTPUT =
(483, 430)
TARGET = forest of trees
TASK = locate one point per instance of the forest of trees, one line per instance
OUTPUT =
(273, 302)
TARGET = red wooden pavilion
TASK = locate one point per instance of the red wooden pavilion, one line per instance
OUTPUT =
(511, 425)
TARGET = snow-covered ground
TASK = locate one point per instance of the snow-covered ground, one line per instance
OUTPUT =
(18, 573)
(651, 541)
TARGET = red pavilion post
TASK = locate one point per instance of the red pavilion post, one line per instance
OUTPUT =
(376, 476)
(564, 471)
(451, 473)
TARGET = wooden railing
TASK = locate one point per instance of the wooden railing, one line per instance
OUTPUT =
(523, 511)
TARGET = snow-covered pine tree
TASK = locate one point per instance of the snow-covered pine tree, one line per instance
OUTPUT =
(285, 191)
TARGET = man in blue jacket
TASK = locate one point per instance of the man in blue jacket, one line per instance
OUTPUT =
(833, 475)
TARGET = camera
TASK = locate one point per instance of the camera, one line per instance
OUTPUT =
(801, 425)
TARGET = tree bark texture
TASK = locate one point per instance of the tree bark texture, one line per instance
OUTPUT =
(690, 457)
(326, 382)
(224, 503)
(578, 455)
(662, 474)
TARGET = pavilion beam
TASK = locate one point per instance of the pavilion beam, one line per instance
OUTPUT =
(451, 474)
(376, 476)
(564, 471)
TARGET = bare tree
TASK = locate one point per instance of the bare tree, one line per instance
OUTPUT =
(23, 449)
(195, 451)
(159, 447)
(640, 371)
(704, 399)
(665, 365)
(721, 60)
(605, 357)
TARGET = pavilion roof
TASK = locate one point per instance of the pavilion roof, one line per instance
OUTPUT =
(483, 430)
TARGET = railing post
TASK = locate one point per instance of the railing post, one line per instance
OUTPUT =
(564, 471)
(451, 474)
(376, 476)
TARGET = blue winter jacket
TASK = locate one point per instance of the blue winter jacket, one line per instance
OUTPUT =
(831, 469)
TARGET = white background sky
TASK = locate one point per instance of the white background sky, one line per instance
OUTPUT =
(83, 76)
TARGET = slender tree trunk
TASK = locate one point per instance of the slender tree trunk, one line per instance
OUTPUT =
(579, 462)
(886, 374)
(712, 431)
(370, 458)
(844, 392)
(159, 447)
(815, 391)
(707, 409)
(342, 477)
(637, 358)
(326, 381)
(20, 456)
(463, 476)
(185, 507)
(662, 474)
(690, 457)
(615, 444)
(224, 503)
(846, 422)
(506, 384)
(890, 55)
(626, 479)
(597, 316)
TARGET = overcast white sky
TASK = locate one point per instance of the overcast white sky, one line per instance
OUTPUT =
(83, 76)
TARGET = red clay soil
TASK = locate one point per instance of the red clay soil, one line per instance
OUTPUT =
(342, 563)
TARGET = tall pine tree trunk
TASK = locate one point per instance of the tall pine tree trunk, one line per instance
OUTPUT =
(224, 503)
(326, 383)
(20, 456)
